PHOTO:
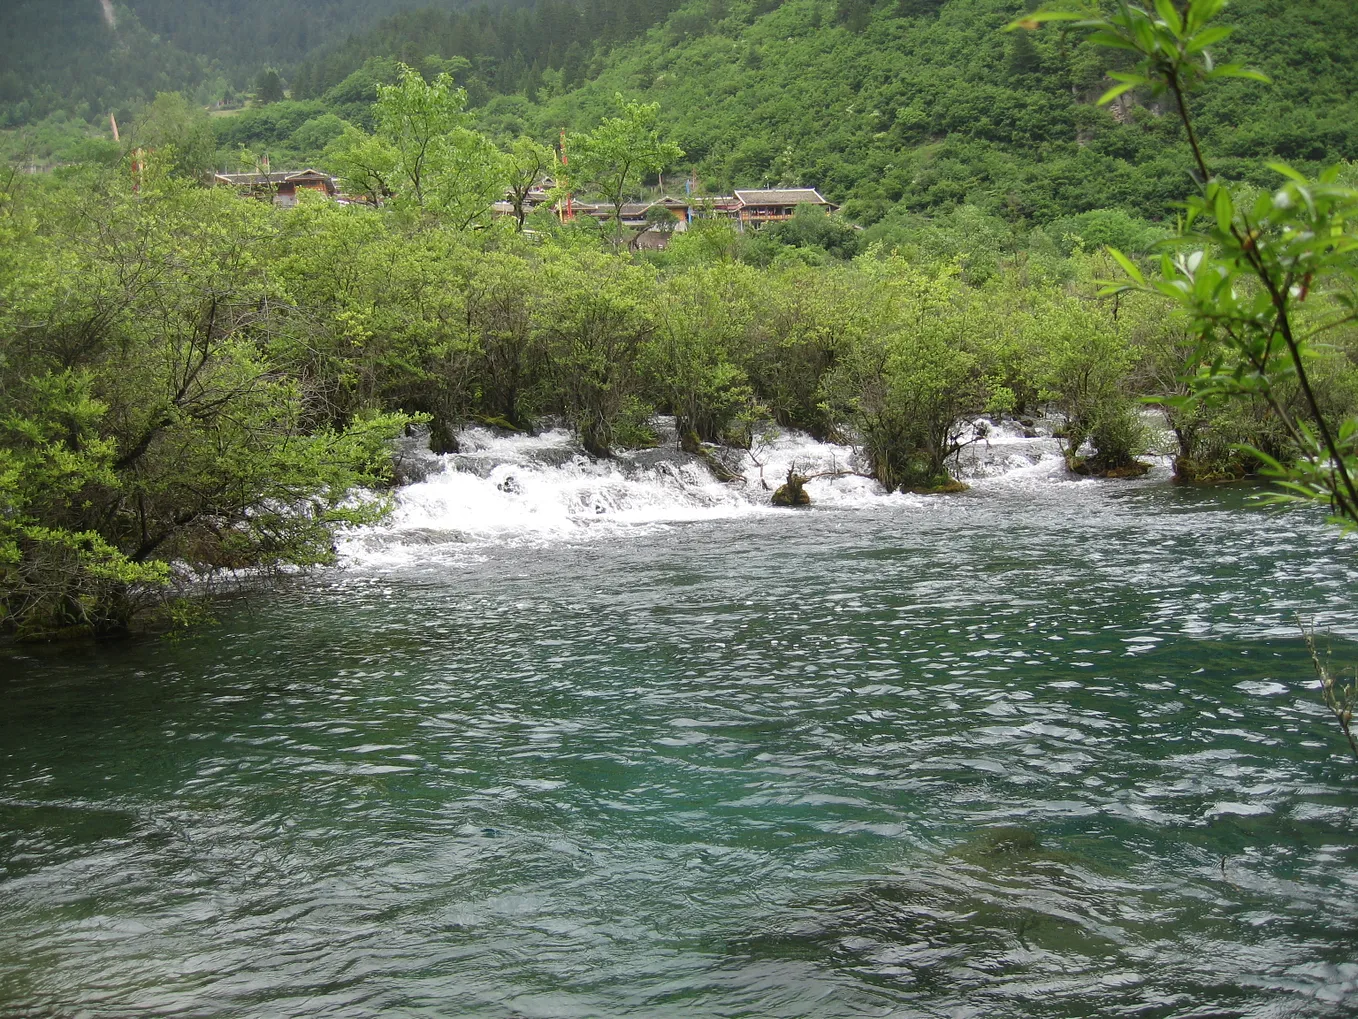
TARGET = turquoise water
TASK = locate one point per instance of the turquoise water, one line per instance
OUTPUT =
(1043, 749)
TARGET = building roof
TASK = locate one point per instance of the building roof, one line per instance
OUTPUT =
(282, 177)
(781, 196)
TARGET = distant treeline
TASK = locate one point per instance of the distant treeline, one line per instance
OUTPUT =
(506, 50)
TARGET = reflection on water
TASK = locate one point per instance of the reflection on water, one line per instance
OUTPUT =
(1044, 749)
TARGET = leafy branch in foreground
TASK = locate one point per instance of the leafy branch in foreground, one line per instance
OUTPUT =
(1339, 696)
(1259, 281)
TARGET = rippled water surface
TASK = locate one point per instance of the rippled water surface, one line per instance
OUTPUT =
(1048, 749)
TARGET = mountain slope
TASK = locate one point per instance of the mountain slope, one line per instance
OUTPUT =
(72, 56)
(253, 33)
(883, 105)
(92, 57)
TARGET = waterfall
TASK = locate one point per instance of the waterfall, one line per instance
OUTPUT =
(541, 488)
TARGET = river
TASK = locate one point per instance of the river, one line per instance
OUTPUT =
(566, 740)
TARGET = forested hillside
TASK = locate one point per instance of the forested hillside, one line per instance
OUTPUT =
(549, 45)
(893, 109)
(929, 104)
(73, 57)
(250, 33)
(91, 57)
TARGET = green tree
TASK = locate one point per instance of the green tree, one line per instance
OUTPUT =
(422, 154)
(597, 316)
(268, 87)
(853, 14)
(469, 177)
(315, 134)
(147, 420)
(913, 373)
(415, 118)
(529, 166)
(692, 362)
(614, 159)
(506, 335)
(810, 320)
(1023, 57)
(177, 134)
(379, 319)
(1084, 369)
(367, 166)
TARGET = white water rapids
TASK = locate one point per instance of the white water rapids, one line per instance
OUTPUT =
(516, 488)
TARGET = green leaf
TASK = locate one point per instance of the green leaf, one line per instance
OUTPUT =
(1037, 18)
(1202, 11)
(1114, 92)
(1287, 171)
(1112, 40)
(1207, 37)
(1128, 266)
(1236, 71)
(1170, 15)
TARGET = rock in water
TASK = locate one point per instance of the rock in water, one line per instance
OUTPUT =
(442, 436)
(1095, 467)
(792, 492)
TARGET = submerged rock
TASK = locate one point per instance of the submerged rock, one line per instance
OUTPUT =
(1092, 468)
(1003, 842)
(944, 486)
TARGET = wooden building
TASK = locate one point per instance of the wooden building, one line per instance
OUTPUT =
(750, 208)
(280, 188)
(757, 207)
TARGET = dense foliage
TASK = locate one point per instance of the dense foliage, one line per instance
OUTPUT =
(228, 371)
(193, 382)
(1251, 262)
(890, 110)
(895, 108)
(150, 413)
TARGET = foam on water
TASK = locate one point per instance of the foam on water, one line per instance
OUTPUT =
(542, 488)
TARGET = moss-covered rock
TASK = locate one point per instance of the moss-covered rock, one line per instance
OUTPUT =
(495, 421)
(793, 492)
(442, 435)
(1099, 467)
(944, 484)
(690, 443)
(1196, 472)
